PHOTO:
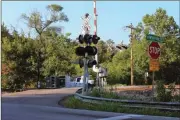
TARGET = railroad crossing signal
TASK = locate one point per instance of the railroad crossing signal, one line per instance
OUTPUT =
(88, 39)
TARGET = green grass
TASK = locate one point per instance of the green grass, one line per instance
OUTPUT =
(72, 102)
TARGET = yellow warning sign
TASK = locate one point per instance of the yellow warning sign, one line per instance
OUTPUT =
(154, 65)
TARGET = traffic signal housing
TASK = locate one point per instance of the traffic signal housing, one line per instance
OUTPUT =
(81, 63)
(81, 39)
(88, 39)
(95, 39)
(91, 50)
(91, 63)
(80, 51)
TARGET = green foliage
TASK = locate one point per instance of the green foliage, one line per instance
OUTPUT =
(95, 92)
(164, 95)
(176, 98)
(17, 54)
(52, 53)
(103, 93)
(162, 25)
(165, 26)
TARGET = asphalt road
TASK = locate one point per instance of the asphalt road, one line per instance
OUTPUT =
(44, 97)
(31, 112)
(43, 105)
(40, 105)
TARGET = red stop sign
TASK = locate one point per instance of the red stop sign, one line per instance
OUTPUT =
(154, 50)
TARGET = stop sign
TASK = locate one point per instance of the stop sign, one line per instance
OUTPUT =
(154, 50)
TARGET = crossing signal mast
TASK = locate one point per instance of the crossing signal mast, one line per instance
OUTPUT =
(95, 68)
(86, 50)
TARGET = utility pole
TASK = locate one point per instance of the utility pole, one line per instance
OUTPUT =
(131, 43)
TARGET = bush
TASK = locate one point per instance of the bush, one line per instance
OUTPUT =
(176, 98)
(95, 92)
(103, 93)
(162, 94)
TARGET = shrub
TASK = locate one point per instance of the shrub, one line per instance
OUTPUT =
(103, 93)
(162, 94)
(176, 98)
(160, 90)
(95, 92)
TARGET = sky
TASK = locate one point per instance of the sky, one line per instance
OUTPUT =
(112, 15)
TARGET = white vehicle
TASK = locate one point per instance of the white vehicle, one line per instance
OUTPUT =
(79, 81)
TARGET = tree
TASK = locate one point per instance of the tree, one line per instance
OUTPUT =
(60, 55)
(164, 26)
(17, 60)
(159, 24)
(36, 21)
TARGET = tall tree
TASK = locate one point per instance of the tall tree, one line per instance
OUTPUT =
(40, 23)
(165, 26)
(159, 24)
(17, 58)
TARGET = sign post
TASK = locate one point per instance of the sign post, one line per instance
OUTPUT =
(154, 53)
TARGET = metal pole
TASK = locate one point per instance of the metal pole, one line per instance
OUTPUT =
(87, 78)
(95, 33)
(153, 85)
(84, 77)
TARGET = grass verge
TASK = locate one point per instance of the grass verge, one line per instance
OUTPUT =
(72, 102)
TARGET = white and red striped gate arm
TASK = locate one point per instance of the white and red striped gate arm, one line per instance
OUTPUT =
(95, 19)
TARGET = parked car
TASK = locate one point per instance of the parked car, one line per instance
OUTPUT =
(79, 81)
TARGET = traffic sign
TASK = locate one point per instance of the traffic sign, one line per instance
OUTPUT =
(154, 50)
(154, 65)
(154, 38)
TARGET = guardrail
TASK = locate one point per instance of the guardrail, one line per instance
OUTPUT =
(166, 106)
